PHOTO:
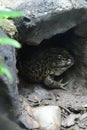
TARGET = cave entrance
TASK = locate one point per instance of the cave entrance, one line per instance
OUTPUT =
(76, 89)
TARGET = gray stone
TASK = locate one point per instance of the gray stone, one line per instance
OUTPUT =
(7, 54)
(49, 117)
(7, 124)
(45, 18)
(81, 30)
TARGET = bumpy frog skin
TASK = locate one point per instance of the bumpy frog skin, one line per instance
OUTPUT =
(44, 65)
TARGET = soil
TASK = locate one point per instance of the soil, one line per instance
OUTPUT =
(73, 100)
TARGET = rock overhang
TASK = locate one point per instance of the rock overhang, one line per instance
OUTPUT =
(44, 19)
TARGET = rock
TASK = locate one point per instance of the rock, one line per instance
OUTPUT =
(39, 96)
(81, 30)
(7, 124)
(74, 128)
(42, 18)
(49, 117)
(82, 123)
(26, 115)
(8, 55)
(28, 122)
(70, 120)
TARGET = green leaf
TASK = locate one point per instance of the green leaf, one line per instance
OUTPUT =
(4, 70)
(9, 41)
(7, 13)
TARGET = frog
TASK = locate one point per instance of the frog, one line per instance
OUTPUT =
(44, 65)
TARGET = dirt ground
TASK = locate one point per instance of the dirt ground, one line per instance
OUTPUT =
(73, 100)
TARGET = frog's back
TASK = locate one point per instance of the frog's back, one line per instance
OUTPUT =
(34, 67)
(38, 66)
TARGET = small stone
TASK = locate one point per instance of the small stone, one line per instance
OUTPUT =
(73, 128)
(48, 117)
(28, 121)
(25, 116)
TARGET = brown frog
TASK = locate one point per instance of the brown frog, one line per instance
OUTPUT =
(45, 64)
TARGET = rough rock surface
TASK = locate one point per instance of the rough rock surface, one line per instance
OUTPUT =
(7, 124)
(45, 18)
(8, 56)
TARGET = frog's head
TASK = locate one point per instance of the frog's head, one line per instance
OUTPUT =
(61, 61)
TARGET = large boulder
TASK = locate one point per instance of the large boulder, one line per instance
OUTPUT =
(7, 54)
(45, 18)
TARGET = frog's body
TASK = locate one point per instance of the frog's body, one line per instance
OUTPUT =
(45, 64)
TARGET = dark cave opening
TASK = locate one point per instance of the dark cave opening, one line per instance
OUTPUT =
(74, 44)
(61, 40)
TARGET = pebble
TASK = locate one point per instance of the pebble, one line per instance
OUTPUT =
(48, 117)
